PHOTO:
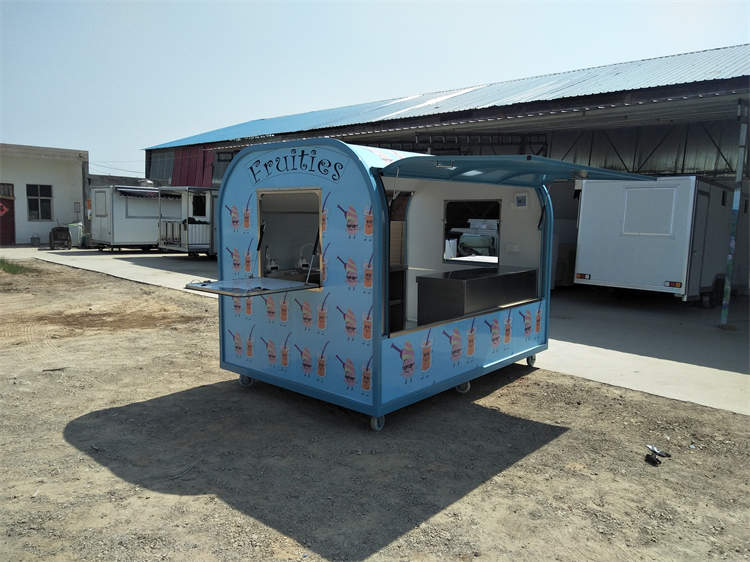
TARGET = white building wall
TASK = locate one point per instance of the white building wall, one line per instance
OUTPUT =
(60, 168)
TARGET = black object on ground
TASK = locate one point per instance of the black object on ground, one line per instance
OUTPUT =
(652, 459)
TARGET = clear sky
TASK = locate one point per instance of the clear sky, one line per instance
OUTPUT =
(115, 77)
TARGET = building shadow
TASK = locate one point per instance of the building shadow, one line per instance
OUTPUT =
(202, 266)
(653, 325)
(205, 267)
(311, 470)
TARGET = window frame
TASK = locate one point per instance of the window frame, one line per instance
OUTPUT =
(39, 198)
(203, 196)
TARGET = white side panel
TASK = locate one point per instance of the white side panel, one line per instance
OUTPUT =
(635, 235)
(135, 220)
(698, 244)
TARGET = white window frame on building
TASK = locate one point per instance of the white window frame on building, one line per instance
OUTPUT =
(38, 197)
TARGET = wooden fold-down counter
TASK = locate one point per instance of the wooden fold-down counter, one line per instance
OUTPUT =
(444, 296)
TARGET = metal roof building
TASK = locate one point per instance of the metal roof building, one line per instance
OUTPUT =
(674, 114)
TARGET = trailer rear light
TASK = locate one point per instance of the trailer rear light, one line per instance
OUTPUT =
(583, 276)
(676, 284)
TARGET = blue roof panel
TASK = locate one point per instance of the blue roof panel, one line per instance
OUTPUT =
(714, 64)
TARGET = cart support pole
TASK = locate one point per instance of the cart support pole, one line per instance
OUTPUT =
(742, 117)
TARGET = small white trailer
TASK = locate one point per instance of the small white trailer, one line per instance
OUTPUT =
(669, 235)
(192, 228)
(124, 217)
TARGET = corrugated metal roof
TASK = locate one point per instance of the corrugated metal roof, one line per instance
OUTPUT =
(714, 64)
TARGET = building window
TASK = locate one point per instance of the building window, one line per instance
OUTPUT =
(220, 165)
(6, 190)
(39, 199)
(160, 165)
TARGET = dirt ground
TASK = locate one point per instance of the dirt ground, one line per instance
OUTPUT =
(121, 439)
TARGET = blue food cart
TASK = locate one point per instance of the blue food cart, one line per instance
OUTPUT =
(372, 278)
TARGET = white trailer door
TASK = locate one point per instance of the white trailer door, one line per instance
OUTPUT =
(635, 235)
(101, 220)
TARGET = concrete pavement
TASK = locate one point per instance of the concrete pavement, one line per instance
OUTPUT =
(651, 343)
(153, 268)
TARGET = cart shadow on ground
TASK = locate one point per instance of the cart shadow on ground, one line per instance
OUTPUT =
(311, 470)
(651, 324)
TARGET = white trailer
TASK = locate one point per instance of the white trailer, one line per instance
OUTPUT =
(124, 217)
(669, 235)
(192, 228)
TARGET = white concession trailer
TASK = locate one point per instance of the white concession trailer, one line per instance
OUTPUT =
(187, 219)
(669, 235)
(125, 217)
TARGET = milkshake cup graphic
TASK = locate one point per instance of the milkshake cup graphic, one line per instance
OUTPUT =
(237, 342)
(237, 305)
(249, 343)
(351, 271)
(235, 258)
(249, 306)
(284, 309)
(285, 351)
(322, 361)
(350, 321)
(427, 352)
(270, 350)
(306, 312)
(470, 337)
(270, 306)
(324, 265)
(368, 275)
(508, 327)
(368, 222)
(235, 216)
(494, 332)
(539, 318)
(350, 377)
(367, 325)
(306, 358)
(246, 214)
(323, 314)
(367, 376)
(526, 323)
(324, 214)
(455, 339)
(352, 222)
(248, 258)
(407, 359)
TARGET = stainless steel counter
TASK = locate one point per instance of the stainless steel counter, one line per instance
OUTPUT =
(452, 294)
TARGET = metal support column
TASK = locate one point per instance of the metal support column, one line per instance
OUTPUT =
(742, 117)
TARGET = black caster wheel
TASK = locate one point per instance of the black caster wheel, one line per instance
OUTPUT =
(377, 423)
(530, 360)
(464, 387)
(246, 382)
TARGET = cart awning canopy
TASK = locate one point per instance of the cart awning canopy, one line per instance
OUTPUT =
(148, 192)
(520, 171)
